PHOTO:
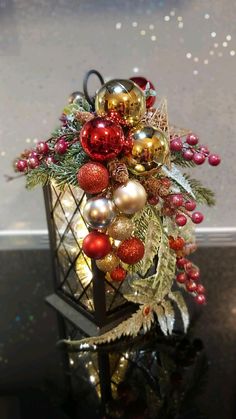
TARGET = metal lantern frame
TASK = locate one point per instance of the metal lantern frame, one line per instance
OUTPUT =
(97, 304)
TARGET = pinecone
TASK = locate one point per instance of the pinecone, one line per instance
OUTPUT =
(152, 186)
(118, 171)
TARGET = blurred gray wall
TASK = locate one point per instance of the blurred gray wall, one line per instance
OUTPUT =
(187, 48)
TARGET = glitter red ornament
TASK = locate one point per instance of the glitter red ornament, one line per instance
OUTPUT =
(93, 177)
(101, 139)
(131, 250)
(142, 83)
(96, 245)
(118, 274)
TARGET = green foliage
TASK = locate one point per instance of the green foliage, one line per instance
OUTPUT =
(39, 175)
(178, 159)
(203, 195)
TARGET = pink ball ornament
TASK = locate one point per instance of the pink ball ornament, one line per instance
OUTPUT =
(198, 158)
(181, 220)
(214, 159)
(176, 144)
(192, 139)
(190, 205)
(61, 146)
(33, 162)
(42, 147)
(188, 154)
(21, 165)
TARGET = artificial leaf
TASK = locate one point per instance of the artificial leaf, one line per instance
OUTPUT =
(170, 315)
(177, 297)
(161, 318)
(181, 180)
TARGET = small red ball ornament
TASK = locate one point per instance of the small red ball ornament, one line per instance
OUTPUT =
(61, 146)
(93, 177)
(118, 274)
(42, 147)
(181, 277)
(142, 83)
(33, 162)
(96, 245)
(131, 250)
(180, 220)
(102, 139)
(200, 299)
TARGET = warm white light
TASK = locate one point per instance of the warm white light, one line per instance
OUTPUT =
(189, 55)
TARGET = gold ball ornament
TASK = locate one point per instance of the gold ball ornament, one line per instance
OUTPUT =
(99, 212)
(121, 228)
(121, 100)
(130, 198)
(150, 144)
(108, 263)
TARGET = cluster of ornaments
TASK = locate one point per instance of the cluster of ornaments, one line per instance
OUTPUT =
(123, 175)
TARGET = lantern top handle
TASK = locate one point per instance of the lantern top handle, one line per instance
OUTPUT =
(85, 84)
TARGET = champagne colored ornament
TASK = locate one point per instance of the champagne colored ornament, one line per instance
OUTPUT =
(150, 144)
(108, 263)
(96, 245)
(142, 83)
(93, 177)
(139, 168)
(122, 101)
(99, 212)
(101, 139)
(121, 228)
(131, 197)
(131, 251)
(76, 97)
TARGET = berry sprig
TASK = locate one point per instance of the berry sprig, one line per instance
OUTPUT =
(191, 150)
(188, 276)
(181, 208)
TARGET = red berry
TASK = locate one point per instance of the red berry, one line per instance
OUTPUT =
(181, 277)
(187, 154)
(198, 158)
(180, 220)
(61, 146)
(21, 165)
(165, 182)
(49, 160)
(33, 153)
(176, 144)
(176, 244)
(176, 199)
(214, 159)
(204, 149)
(191, 286)
(192, 139)
(194, 274)
(188, 266)
(201, 289)
(33, 162)
(200, 299)
(153, 200)
(181, 262)
(190, 205)
(42, 147)
(197, 217)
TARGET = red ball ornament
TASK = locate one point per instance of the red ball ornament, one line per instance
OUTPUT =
(197, 217)
(192, 139)
(199, 158)
(194, 274)
(96, 245)
(200, 299)
(181, 262)
(214, 159)
(191, 286)
(181, 277)
(142, 83)
(61, 146)
(180, 220)
(176, 144)
(33, 162)
(201, 289)
(190, 205)
(93, 177)
(102, 139)
(118, 274)
(131, 250)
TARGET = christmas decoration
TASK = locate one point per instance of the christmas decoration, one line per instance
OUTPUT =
(131, 251)
(93, 177)
(99, 212)
(145, 84)
(121, 100)
(150, 144)
(130, 198)
(108, 263)
(142, 213)
(121, 228)
(101, 139)
(96, 245)
(118, 274)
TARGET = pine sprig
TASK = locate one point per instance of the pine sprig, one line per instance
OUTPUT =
(38, 176)
(203, 195)
(178, 159)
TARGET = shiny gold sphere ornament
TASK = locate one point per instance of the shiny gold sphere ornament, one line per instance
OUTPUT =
(122, 101)
(98, 213)
(131, 197)
(108, 263)
(150, 144)
(121, 228)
